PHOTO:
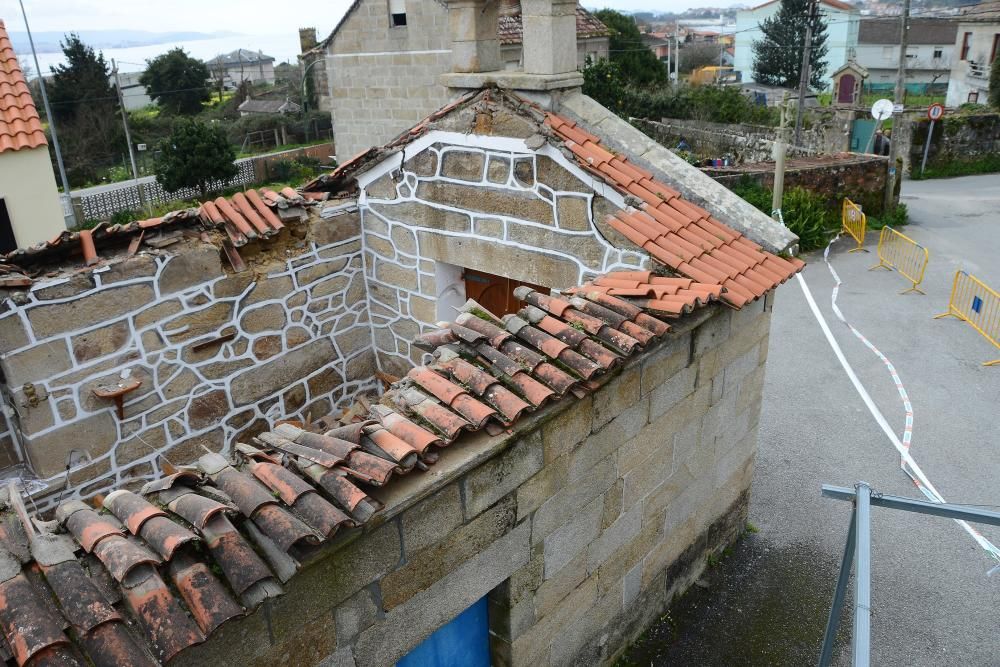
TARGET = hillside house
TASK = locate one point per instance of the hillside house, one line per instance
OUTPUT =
(494, 383)
(383, 74)
(30, 210)
(842, 19)
(241, 65)
(928, 54)
(252, 106)
(977, 45)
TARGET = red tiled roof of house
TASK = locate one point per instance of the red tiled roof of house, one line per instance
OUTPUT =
(20, 126)
(510, 29)
(163, 569)
(675, 232)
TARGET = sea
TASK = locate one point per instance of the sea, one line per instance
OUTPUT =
(283, 48)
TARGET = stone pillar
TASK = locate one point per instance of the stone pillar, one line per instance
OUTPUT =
(549, 36)
(307, 39)
(474, 43)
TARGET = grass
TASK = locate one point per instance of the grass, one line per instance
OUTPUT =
(868, 99)
(278, 149)
(983, 164)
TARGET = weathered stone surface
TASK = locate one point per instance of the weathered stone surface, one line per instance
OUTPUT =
(336, 229)
(510, 261)
(362, 367)
(200, 322)
(524, 172)
(157, 313)
(356, 290)
(380, 246)
(423, 309)
(190, 267)
(12, 333)
(574, 213)
(382, 188)
(502, 474)
(36, 363)
(294, 398)
(405, 240)
(75, 284)
(616, 396)
(266, 318)
(256, 383)
(325, 381)
(267, 289)
(100, 342)
(570, 427)
(86, 473)
(671, 356)
(217, 370)
(557, 178)
(417, 214)
(492, 201)
(333, 285)
(180, 385)
(207, 409)
(431, 520)
(188, 451)
(585, 248)
(354, 615)
(498, 170)
(295, 336)
(563, 544)
(37, 417)
(353, 340)
(232, 285)
(48, 452)
(463, 165)
(488, 227)
(567, 502)
(422, 164)
(321, 270)
(102, 306)
(396, 275)
(141, 445)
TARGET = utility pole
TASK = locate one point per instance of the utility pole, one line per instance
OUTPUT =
(677, 58)
(904, 39)
(778, 191)
(67, 197)
(128, 135)
(804, 70)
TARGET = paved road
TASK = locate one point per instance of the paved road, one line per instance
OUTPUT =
(932, 603)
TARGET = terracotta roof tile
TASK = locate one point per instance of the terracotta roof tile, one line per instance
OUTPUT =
(676, 232)
(509, 28)
(20, 125)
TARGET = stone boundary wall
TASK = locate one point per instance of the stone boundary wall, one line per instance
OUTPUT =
(956, 139)
(521, 216)
(745, 143)
(219, 354)
(861, 178)
(581, 526)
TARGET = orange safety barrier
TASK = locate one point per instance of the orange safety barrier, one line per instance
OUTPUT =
(973, 302)
(900, 252)
(854, 222)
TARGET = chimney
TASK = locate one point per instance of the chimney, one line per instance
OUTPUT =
(549, 36)
(474, 43)
(307, 39)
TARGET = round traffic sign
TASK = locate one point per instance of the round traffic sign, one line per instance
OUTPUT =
(935, 111)
(882, 109)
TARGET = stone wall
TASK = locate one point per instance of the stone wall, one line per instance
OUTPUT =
(749, 143)
(218, 353)
(517, 215)
(858, 177)
(580, 526)
(956, 139)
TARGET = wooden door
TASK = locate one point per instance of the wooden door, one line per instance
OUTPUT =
(495, 293)
(845, 93)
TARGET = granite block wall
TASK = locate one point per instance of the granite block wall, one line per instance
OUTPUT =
(580, 526)
(521, 216)
(218, 354)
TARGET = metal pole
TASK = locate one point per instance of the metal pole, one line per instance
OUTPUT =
(778, 191)
(833, 621)
(677, 58)
(804, 70)
(305, 72)
(946, 510)
(128, 137)
(904, 38)
(862, 578)
(67, 197)
(927, 147)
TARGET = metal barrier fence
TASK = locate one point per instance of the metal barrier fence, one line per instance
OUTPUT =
(900, 252)
(973, 302)
(855, 223)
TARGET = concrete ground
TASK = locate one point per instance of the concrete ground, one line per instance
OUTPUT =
(932, 603)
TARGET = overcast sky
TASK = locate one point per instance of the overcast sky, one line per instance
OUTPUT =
(243, 16)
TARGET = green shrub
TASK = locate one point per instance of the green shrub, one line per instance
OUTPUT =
(807, 214)
(123, 217)
(755, 193)
(983, 164)
(898, 217)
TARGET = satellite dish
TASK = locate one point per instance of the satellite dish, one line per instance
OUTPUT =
(882, 109)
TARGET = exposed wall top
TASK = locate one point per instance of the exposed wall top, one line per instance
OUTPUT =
(20, 126)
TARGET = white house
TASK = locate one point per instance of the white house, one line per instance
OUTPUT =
(134, 94)
(977, 45)
(842, 34)
(30, 211)
(242, 65)
(928, 54)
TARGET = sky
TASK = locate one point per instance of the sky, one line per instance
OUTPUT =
(243, 16)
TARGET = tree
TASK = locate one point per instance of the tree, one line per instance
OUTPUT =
(82, 83)
(777, 56)
(176, 81)
(703, 54)
(637, 63)
(196, 155)
(995, 84)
